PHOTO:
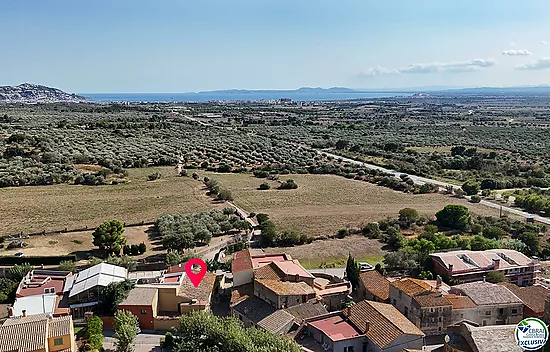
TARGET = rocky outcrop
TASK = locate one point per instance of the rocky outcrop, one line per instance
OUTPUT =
(34, 93)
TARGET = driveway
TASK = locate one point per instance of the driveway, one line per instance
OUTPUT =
(144, 342)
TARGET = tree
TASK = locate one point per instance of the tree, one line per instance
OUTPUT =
(109, 234)
(288, 184)
(178, 241)
(405, 258)
(124, 261)
(352, 272)
(454, 216)
(202, 331)
(94, 333)
(67, 265)
(262, 218)
(475, 198)
(394, 236)
(371, 230)
(470, 188)
(8, 290)
(225, 194)
(142, 248)
(264, 186)
(268, 232)
(126, 330)
(112, 295)
(496, 276)
(532, 240)
(480, 243)
(174, 258)
(18, 272)
(408, 216)
(494, 232)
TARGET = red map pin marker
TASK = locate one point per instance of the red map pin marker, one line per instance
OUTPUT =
(195, 278)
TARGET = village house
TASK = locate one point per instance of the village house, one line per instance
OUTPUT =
(159, 305)
(84, 287)
(244, 263)
(464, 310)
(496, 305)
(423, 304)
(373, 286)
(471, 338)
(37, 333)
(366, 326)
(468, 266)
(42, 291)
(533, 298)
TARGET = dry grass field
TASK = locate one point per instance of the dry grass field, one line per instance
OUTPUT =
(38, 208)
(335, 251)
(323, 204)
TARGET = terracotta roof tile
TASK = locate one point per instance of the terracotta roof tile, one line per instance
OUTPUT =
(411, 287)
(140, 296)
(532, 296)
(242, 261)
(486, 293)
(202, 293)
(376, 284)
(460, 302)
(60, 326)
(287, 287)
(307, 310)
(386, 323)
(241, 292)
(264, 315)
(25, 334)
(269, 271)
(434, 299)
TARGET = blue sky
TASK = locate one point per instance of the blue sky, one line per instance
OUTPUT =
(184, 45)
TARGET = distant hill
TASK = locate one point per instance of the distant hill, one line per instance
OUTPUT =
(303, 90)
(34, 93)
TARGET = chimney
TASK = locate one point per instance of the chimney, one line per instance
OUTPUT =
(10, 312)
(438, 282)
(450, 268)
(24, 311)
(297, 277)
(367, 326)
(496, 263)
(348, 311)
(483, 278)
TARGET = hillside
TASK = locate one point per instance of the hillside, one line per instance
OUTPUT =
(34, 93)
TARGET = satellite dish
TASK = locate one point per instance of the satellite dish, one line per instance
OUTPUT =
(447, 339)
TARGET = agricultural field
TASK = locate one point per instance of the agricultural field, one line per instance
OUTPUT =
(334, 252)
(56, 207)
(323, 204)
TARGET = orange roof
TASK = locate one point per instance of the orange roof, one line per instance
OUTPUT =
(433, 299)
(532, 296)
(460, 302)
(411, 287)
(386, 323)
(241, 261)
(286, 287)
(376, 284)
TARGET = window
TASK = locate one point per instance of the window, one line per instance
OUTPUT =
(400, 295)
(484, 323)
(487, 312)
(49, 290)
(440, 319)
(58, 341)
(143, 311)
(461, 316)
(439, 328)
(348, 349)
(501, 311)
(514, 311)
(406, 311)
(431, 310)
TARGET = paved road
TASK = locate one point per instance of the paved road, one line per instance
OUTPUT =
(143, 343)
(421, 180)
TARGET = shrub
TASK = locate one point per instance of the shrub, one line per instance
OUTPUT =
(154, 176)
(264, 186)
(142, 248)
(77, 241)
(67, 265)
(134, 249)
(288, 184)
(475, 198)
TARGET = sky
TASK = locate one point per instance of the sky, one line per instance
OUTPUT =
(107, 46)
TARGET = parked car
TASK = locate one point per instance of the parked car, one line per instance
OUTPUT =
(19, 254)
(365, 266)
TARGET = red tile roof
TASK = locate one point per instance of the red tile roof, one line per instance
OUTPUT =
(386, 323)
(412, 287)
(242, 261)
(336, 327)
(37, 281)
(532, 296)
(434, 299)
(460, 302)
(376, 284)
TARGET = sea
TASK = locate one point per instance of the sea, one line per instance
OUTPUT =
(236, 96)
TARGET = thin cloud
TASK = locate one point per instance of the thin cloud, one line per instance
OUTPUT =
(514, 52)
(433, 67)
(540, 64)
(544, 42)
(512, 44)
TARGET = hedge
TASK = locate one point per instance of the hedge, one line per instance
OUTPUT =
(37, 260)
